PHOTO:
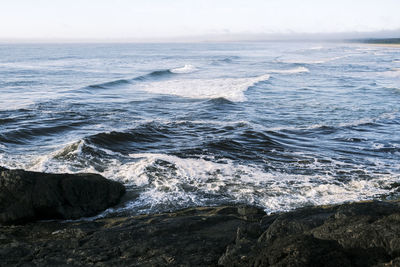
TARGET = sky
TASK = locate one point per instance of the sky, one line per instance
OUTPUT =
(168, 19)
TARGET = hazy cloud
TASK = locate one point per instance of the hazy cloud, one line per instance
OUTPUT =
(155, 19)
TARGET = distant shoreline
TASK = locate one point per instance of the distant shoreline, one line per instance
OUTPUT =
(387, 42)
(386, 45)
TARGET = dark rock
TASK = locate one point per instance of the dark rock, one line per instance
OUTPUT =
(26, 196)
(246, 210)
(296, 222)
(191, 237)
(251, 213)
(357, 234)
(301, 250)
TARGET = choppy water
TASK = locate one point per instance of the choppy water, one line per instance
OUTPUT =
(278, 125)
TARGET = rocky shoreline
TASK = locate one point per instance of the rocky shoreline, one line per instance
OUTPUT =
(352, 234)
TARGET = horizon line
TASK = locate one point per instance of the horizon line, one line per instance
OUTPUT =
(227, 37)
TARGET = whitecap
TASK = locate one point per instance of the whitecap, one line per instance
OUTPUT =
(395, 72)
(185, 69)
(310, 61)
(302, 61)
(290, 71)
(229, 88)
(317, 48)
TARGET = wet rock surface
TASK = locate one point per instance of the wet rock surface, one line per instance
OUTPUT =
(27, 196)
(192, 237)
(356, 234)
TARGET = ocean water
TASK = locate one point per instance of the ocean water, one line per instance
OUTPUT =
(277, 125)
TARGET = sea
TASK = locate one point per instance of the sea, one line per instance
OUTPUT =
(278, 125)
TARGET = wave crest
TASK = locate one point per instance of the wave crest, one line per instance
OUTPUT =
(108, 84)
(229, 88)
(154, 74)
(310, 61)
(290, 71)
(185, 69)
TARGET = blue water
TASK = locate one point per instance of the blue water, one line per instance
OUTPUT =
(278, 125)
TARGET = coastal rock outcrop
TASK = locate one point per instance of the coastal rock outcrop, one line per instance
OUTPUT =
(27, 196)
(190, 237)
(355, 234)
(352, 234)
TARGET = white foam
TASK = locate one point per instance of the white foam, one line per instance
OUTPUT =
(185, 69)
(395, 72)
(186, 182)
(59, 161)
(378, 146)
(302, 61)
(310, 61)
(316, 48)
(168, 182)
(366, 48)
(230, 88)
(290, 71)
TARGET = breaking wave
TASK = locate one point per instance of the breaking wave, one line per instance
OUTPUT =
(290, 71)
(161, 182)
(229, 88)
(185, 69)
